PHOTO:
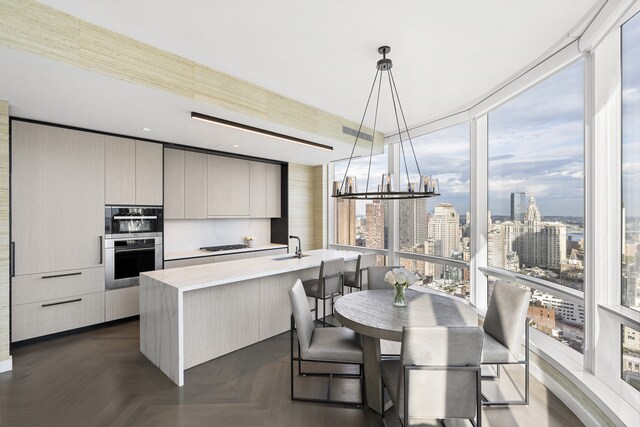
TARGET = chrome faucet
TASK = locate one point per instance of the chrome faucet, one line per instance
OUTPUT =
(299, 247)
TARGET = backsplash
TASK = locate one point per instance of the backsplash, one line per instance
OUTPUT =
(189, 234)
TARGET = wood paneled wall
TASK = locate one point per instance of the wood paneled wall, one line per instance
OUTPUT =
(4, 231)
(306, 211)
(36, 28)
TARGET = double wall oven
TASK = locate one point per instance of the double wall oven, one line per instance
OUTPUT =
(133, 243)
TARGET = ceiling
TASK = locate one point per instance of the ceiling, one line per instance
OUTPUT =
(446, 55)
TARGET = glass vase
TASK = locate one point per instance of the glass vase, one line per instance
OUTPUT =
(399, 297)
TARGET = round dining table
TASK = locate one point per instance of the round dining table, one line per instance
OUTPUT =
(373, 315)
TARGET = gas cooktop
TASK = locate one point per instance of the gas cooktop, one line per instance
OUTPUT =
(223, 248)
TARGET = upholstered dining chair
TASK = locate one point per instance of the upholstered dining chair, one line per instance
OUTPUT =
(353, 279)
(324, 345)
(375, 277)
(504, 325)
(328, 285)
(437, 375)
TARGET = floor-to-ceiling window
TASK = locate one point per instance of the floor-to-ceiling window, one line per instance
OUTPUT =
(438, 226)
(536, 197)
(631, 195)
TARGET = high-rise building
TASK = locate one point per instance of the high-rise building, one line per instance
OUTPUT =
(518, 206)
(444, 229)
(345, 222)
(412, 223)
(375, 220)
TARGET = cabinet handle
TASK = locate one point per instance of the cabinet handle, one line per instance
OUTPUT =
(77, 273)
(62, 302)
(12, 267)
(100, 248)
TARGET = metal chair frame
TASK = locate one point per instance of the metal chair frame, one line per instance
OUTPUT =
(299, 360)
(525, 362)
(326, 297)
(408, 368)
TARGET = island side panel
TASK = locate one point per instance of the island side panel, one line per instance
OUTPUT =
(220, 319)
(160, 327)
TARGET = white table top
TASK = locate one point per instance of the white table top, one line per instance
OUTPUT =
(372, 313)
(207, 275)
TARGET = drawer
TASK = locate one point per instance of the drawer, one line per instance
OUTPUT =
(233, 257)
(121, 303)
(57, 315)
(60, 284)
(271, 252)
(175, 263)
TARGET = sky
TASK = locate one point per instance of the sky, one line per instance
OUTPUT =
(631, 115)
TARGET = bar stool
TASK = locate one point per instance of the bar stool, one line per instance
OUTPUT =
(326, 286)
(353, 279)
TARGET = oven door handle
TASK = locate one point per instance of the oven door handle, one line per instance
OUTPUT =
(135, 217)
(149, 249)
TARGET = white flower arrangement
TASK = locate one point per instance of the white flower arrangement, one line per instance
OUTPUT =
(250, 238)
(400, 277)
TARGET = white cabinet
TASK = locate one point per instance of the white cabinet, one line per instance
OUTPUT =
(121, 303)
(273, 190)
(148, 173)
(233, 257)
(257, 190)
(173, 184)
(57, 198)
(228, 187)
(195, 185)
(187, 262)
(133, 172)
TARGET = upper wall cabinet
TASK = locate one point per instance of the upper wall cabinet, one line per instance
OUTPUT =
(133, 172)
(195, 184)
(173, 184)
(57, 198)
(264, 190)
(228, 187)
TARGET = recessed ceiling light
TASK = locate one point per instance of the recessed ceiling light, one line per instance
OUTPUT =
(235, 146)
(146, 129)
(295, 157)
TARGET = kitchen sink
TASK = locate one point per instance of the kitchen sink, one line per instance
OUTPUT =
(282, 258)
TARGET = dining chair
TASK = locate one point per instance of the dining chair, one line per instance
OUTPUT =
(353, 279)
(327, 286)
(437, 375)
(504, 324)
(322, 345)
(375, 277)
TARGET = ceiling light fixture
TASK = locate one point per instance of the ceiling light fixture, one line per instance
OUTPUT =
(235, 146)
(146, 129)
(235, 125)
(418, 186)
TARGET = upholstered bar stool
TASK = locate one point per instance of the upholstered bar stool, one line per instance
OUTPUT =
(353, 279)
(327, 286)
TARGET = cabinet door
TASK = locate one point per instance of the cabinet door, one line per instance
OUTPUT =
(148, 173)
(195, 185)
(120, 171)
(57, 200)
(173, 184)
(257, 187)
(273, 191)
(228, 187)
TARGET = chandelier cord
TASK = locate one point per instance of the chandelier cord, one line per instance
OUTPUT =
(415, 158)
(355, 143)
(375, 123)
(395, 110)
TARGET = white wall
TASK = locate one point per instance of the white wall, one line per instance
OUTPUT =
(190, 234)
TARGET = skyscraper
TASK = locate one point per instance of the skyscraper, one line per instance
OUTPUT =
(345, 222)
(375, 215)
(444, 229)
(518, 206)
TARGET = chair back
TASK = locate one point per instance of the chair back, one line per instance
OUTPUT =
(364, 262)
(507, 314)
(331, 272)
(302, 316)
(375, 277)
(436, 389)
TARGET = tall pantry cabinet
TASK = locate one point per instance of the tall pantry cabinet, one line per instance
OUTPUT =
(57, 229)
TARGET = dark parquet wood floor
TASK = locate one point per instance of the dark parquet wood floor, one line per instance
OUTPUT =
(99, 378)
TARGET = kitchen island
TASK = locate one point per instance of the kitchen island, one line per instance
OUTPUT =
(194, 314)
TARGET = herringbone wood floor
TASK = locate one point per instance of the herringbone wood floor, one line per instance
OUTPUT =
(99, 378)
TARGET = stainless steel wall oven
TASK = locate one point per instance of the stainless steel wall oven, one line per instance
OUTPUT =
(133, 244)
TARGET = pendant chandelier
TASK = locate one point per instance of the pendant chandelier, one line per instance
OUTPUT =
(418, 186)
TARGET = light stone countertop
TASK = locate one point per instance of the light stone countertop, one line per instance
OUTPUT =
(207, 275)
(197, 253)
